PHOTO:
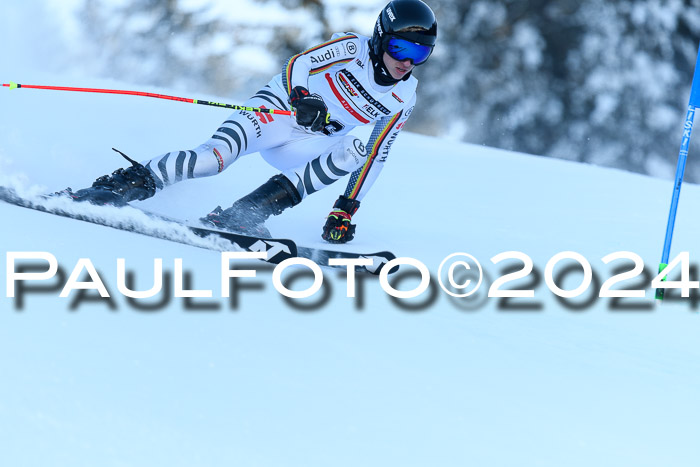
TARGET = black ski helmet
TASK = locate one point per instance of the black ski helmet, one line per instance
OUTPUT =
(411, 20)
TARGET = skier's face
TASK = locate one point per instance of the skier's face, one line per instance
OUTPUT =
(398, 69)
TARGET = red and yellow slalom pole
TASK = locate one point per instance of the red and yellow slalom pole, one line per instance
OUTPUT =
(13, 85)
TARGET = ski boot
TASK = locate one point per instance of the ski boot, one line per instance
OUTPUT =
(248, 215)
(134, 183)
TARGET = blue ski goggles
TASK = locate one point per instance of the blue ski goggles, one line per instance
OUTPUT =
(402, 49)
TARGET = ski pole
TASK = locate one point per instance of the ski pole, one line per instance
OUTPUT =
(13, 85)
(693, 103)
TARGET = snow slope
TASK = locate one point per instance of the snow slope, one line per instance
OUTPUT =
(368, 382)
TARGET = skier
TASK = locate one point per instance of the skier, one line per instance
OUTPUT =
(346, 82)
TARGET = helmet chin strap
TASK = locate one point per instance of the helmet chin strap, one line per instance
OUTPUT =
(381, 72)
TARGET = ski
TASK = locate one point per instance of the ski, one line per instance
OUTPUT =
(277, 249)
(322, 257)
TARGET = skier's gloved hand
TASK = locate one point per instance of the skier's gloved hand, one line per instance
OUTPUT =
(311, 111)
(338, 228)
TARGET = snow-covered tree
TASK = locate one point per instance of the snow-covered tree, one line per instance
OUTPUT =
(594, 81)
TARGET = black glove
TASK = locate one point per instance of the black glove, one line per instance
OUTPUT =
(338, 228)
(311, 111)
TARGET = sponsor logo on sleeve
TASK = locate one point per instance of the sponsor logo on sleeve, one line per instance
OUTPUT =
(387, 147)
(327, 55)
